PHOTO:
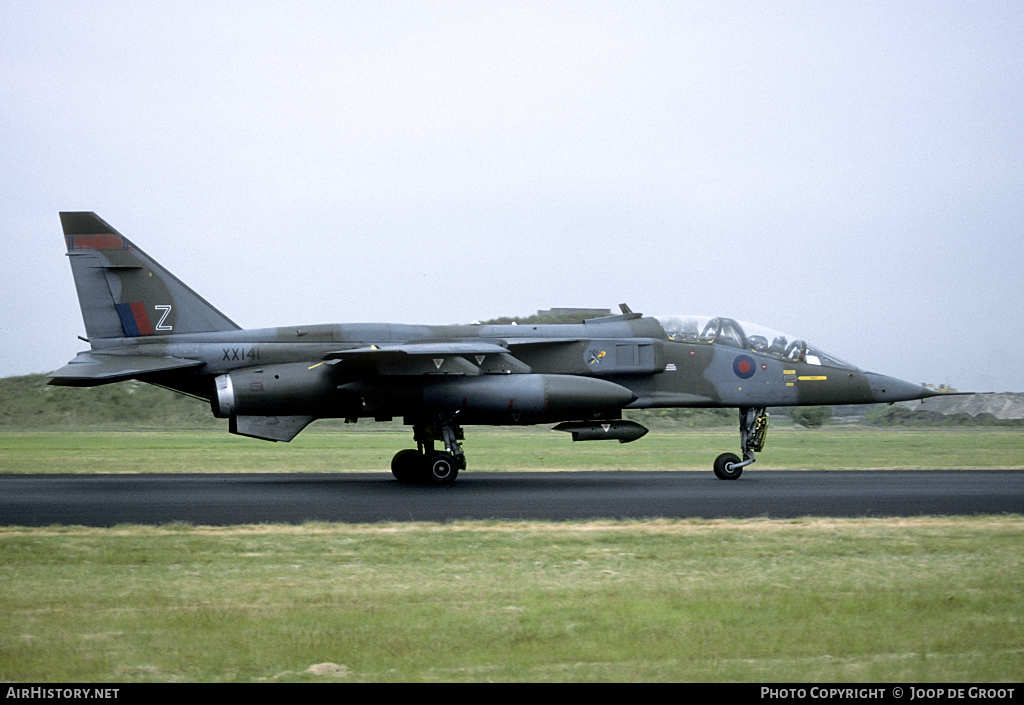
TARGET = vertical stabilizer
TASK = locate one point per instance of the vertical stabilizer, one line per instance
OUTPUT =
(126, 294)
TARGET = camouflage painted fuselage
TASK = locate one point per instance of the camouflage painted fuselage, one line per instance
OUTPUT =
(144, 323)
(375, 370)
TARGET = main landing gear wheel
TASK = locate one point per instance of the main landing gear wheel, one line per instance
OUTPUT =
(407, 464)
(441, 469)
(428, 469)
(426, 465)
(725, 467)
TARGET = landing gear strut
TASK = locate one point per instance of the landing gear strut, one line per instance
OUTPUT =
(753, 430)
(426, 464)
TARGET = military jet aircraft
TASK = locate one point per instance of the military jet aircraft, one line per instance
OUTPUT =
(143, 323)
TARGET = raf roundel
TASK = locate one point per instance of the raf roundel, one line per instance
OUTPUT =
(743, 366)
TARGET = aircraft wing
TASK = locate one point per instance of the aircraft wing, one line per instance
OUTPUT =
(514, 342)
(413, 349)
(94, 367)
(448, 358)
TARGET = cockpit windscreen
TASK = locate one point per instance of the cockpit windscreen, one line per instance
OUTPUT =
(746, 336)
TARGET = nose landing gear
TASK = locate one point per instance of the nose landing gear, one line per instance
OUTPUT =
(753, 431)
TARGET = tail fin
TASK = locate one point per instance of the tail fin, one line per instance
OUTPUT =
(126, 294)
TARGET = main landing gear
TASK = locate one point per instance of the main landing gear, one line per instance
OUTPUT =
(425, 464)
(753, 430)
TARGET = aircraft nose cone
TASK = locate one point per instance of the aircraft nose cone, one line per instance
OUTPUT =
(890, 389)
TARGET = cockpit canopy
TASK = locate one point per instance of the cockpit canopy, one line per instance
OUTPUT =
(746, 336)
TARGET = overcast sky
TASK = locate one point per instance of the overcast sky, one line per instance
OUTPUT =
(849, 173)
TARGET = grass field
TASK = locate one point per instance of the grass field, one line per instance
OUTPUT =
(488, 450)
(904, 600)
(920, 600)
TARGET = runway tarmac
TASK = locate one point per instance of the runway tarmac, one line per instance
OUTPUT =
(211, 499)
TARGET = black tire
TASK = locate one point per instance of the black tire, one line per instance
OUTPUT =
(407, 465)
(724, 467)
(441, 469)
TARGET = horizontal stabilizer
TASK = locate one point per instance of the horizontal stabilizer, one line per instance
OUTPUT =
(92, 368)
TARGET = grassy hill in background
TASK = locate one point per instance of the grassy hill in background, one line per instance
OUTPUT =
(28, 402)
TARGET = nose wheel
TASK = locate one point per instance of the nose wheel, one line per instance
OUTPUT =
(753, 431)
(726, 467)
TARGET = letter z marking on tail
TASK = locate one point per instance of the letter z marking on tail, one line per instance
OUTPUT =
(160, 324)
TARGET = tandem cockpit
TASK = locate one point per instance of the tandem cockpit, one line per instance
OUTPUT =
(746, 336)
